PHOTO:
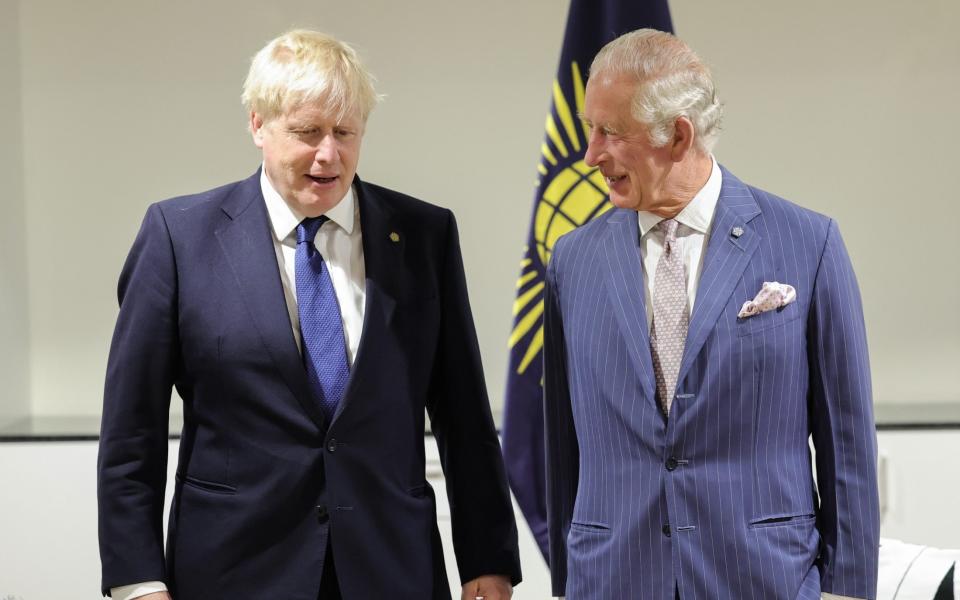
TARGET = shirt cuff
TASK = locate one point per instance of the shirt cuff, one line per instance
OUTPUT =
(827, 596)
(128, 592)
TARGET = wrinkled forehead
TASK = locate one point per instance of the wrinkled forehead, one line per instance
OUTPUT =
(614, 81)
(319, 111)
(609, 98)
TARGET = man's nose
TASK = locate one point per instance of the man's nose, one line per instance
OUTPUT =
(594, 150)
(326, 150)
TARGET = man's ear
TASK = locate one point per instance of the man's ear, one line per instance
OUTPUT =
(256, 129)
(683, 137)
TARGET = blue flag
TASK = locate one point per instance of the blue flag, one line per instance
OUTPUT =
(568, 195)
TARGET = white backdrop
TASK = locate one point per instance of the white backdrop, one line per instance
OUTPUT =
(848, 108)
(48, 527)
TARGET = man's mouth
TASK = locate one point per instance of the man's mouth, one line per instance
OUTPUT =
(322, 179)
(611, 179)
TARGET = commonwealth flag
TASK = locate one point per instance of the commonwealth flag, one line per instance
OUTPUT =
(569, 194)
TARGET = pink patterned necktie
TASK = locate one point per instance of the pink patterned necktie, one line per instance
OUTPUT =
(670, 315)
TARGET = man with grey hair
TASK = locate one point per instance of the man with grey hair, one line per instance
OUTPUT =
(696, 337)
(307, 319)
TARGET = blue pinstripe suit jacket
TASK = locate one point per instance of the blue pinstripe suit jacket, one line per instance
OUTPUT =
(719, 499)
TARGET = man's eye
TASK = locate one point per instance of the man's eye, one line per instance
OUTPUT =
(343, 132)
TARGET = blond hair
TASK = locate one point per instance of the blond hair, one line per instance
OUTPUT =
(303, 66)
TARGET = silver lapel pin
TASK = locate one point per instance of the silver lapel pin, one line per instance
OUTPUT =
(737, 231)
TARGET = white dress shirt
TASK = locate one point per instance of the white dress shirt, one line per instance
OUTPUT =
(340, 243)
(693, 235)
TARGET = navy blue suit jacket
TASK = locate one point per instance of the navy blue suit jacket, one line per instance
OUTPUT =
(262, 478)
(717, 500)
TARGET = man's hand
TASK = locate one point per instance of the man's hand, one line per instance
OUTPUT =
(488, 587)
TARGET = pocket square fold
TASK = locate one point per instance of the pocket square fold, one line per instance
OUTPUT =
(771, 296)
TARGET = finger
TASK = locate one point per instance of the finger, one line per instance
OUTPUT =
(470, 591)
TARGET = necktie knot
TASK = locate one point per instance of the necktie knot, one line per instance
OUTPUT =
(669, 228)
(308, 228)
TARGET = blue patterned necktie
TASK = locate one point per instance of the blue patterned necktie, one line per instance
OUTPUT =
(321, 328)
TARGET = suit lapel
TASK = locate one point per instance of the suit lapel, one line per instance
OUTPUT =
(383, 251)
(625, 285)
(247, 245)
(726, 258)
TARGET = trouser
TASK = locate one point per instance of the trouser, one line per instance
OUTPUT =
(329, 587)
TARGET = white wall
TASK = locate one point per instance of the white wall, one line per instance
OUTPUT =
(844, 107)
(14, 336)
(48, 523)
(143, 101)
(849, 108)
(919, 486)
(48, 528)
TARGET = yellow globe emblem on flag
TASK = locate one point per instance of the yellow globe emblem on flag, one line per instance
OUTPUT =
(572, 195)
(576, 195)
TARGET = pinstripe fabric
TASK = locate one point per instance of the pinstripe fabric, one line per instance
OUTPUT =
(718, 499)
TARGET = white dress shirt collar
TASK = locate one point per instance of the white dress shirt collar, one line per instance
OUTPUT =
(698, 213)
(284, 218)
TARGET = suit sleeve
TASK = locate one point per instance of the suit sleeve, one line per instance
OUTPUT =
(484, 528)
(141, 369)
(844, 433)
(562, 451)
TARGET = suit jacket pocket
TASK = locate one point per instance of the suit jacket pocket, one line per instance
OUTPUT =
(419, 491)
(212, 487)
(768, 320)
(590, 527)
(785, 520)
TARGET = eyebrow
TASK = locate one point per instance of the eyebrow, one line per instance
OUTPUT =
(609, 128)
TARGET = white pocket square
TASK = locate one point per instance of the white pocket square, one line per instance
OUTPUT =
(772, 295)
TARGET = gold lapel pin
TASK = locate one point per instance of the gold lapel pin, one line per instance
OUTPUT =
(394, 237)
(737, 232)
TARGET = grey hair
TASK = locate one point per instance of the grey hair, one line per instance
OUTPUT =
(672, 82)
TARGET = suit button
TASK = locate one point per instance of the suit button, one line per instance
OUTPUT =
(666, 530)
(672, 463)
(322, 515)
(332, 445)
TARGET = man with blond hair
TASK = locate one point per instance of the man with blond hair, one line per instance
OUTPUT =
(696, 337)
(307, 320)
